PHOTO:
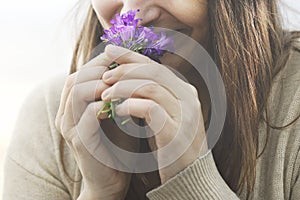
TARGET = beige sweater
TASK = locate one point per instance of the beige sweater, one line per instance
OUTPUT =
(39, 165)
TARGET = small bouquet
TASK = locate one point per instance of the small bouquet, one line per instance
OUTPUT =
(126, 32)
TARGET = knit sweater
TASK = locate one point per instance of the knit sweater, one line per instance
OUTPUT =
(39, 165)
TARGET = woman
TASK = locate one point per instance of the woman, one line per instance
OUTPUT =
(257, 155)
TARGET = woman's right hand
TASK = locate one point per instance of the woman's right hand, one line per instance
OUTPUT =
(77, 116)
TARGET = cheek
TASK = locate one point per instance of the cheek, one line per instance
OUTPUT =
(192, 12)
(196, 16)
(105, 10)
(197, 19)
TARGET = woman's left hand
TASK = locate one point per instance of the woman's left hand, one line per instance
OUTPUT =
(169, 105)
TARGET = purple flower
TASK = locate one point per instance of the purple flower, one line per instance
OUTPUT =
(126, 32)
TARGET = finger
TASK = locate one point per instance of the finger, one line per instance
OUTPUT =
(156, 117)
(91, 134)
(122, 55)
(155, 72)
(136, 88)
(131, 61)
(80, 96)
(88, 122)
(90, 71)
(84, 75)
(100, 60)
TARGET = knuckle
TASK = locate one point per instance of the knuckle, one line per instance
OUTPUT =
(149, 60)
(194, 90)
(130, 54)
(193, 114)
(151, 88)
(156, 70)
(71, 80)
(91, 110)
(65, 126)
(150, 107)
(189, 120)
(117, 85)
(57, 122)
(69, 104)
(76, 142)
(74, 92)
(101, 70)
(100, 87)
(198, 104)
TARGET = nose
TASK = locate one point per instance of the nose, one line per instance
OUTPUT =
(149, 10)
(134, 5)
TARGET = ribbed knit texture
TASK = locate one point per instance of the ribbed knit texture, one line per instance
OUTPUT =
(203, 172)
(39, 165)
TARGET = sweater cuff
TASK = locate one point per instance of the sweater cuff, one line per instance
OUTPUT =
(200, 180)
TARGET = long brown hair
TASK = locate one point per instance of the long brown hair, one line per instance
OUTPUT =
(250, 47)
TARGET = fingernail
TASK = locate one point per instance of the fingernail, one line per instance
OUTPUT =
(107, 75)
(106, 93)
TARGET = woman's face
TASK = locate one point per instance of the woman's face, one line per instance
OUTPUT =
(186, 16)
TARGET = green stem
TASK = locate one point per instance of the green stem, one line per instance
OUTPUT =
(112, 66)
(125, 121)
(111, 108)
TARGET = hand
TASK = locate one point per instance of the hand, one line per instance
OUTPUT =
(169, 105)
(76, 119)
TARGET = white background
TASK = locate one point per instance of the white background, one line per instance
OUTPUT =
(36, 39)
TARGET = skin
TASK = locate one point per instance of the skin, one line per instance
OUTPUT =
(160, 95)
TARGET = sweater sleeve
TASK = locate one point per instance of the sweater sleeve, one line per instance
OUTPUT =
(25, 184)
(33, 164)
(278, 167)
(296, 190)
(200, 180)
(295, 194)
